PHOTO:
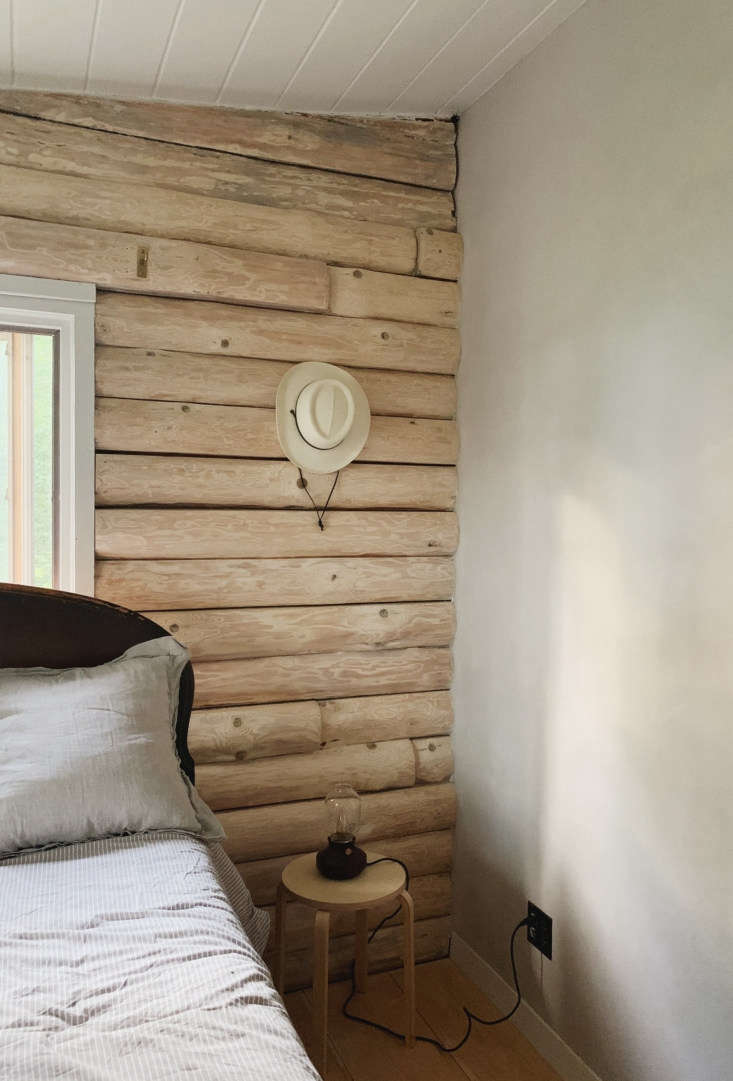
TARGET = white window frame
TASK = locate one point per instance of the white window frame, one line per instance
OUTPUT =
(66, 307)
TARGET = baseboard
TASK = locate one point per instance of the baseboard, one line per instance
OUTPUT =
(561, 1057)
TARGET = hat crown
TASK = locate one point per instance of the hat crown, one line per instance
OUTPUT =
(324, 413)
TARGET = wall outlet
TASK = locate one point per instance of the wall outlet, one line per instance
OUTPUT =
(539, 929)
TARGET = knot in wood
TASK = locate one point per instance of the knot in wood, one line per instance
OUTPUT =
(385, 336)
(225, 343)
(173, 628)
(383, 613)
(237, 722)
(185, 408)
(358, 274)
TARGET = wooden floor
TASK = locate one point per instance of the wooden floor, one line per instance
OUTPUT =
(358, 1053)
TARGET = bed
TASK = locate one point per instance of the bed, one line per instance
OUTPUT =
(132, 957)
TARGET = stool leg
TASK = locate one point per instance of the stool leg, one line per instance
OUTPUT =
(281, 909)
(361, 969)
(320, 990)
(408, 915)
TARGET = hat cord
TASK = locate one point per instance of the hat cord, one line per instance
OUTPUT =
(304, 485)
(319, 513)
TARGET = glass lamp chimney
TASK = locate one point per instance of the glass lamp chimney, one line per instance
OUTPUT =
(343, 813)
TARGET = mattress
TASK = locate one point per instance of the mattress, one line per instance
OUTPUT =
(137, 959)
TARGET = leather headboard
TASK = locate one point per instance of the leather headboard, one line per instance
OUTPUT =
(50, 629)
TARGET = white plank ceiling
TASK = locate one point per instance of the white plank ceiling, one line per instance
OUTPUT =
(400, 57)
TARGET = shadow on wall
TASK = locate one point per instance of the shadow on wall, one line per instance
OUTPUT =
(590, 698)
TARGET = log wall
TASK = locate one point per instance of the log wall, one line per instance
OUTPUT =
(226, 246)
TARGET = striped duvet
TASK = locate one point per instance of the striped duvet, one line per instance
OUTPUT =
(137, 959)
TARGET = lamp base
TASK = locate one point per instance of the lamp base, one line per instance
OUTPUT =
(341, 859)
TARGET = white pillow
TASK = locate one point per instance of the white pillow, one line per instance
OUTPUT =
(90, 752)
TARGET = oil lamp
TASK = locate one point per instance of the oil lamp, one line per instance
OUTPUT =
(342, 857)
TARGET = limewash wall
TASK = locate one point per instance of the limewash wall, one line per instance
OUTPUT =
(594, 658)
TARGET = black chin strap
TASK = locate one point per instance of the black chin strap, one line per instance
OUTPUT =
(303, 483)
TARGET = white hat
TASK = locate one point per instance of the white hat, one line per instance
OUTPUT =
(322, 417)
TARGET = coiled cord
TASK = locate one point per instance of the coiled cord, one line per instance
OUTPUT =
(470, 1016)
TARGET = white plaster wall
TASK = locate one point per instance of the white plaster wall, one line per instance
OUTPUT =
(594, 657)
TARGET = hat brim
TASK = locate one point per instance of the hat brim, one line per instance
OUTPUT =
(294, 446)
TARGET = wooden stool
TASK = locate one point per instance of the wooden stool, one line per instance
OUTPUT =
(374, 887)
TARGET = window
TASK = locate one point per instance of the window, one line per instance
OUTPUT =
(46, 433)
(28, 467)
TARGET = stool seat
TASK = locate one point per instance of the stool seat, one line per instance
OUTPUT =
(374, 886)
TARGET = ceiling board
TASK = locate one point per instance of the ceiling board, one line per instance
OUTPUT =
(395, 57)
(129, 45)
(6, 67)
(202, 50)
(281, 35)
(354, 33)
(481, 37)
(419, 34)
(51, 43)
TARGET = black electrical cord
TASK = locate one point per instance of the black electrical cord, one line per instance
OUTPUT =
(470, 1016)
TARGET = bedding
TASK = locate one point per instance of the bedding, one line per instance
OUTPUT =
(137, 958)
(91, 752)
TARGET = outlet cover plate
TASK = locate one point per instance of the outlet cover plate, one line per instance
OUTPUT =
(539, 929)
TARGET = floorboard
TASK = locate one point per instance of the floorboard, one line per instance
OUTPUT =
(358, 1053)
(301, 1014)
(493, 1053)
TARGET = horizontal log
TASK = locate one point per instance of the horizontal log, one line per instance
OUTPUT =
(238, 430)
(367, 294)
(195, 377)
(423, 853)
(124, 480)
(150, 533)
(258, 833)
(178, 268)
(228, 633)
(160, 212)
(432, 941)
(321, 675)
(439, 253)
(61, 148)
(409, 151)
(247, 732)
(408, 440)
(431, 896)
(230, 330)
(388, 716)
(242, 583)
(178, 427)
(433, 759)
(370, 768)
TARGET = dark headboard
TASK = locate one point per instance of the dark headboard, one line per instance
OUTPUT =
(50, 629)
